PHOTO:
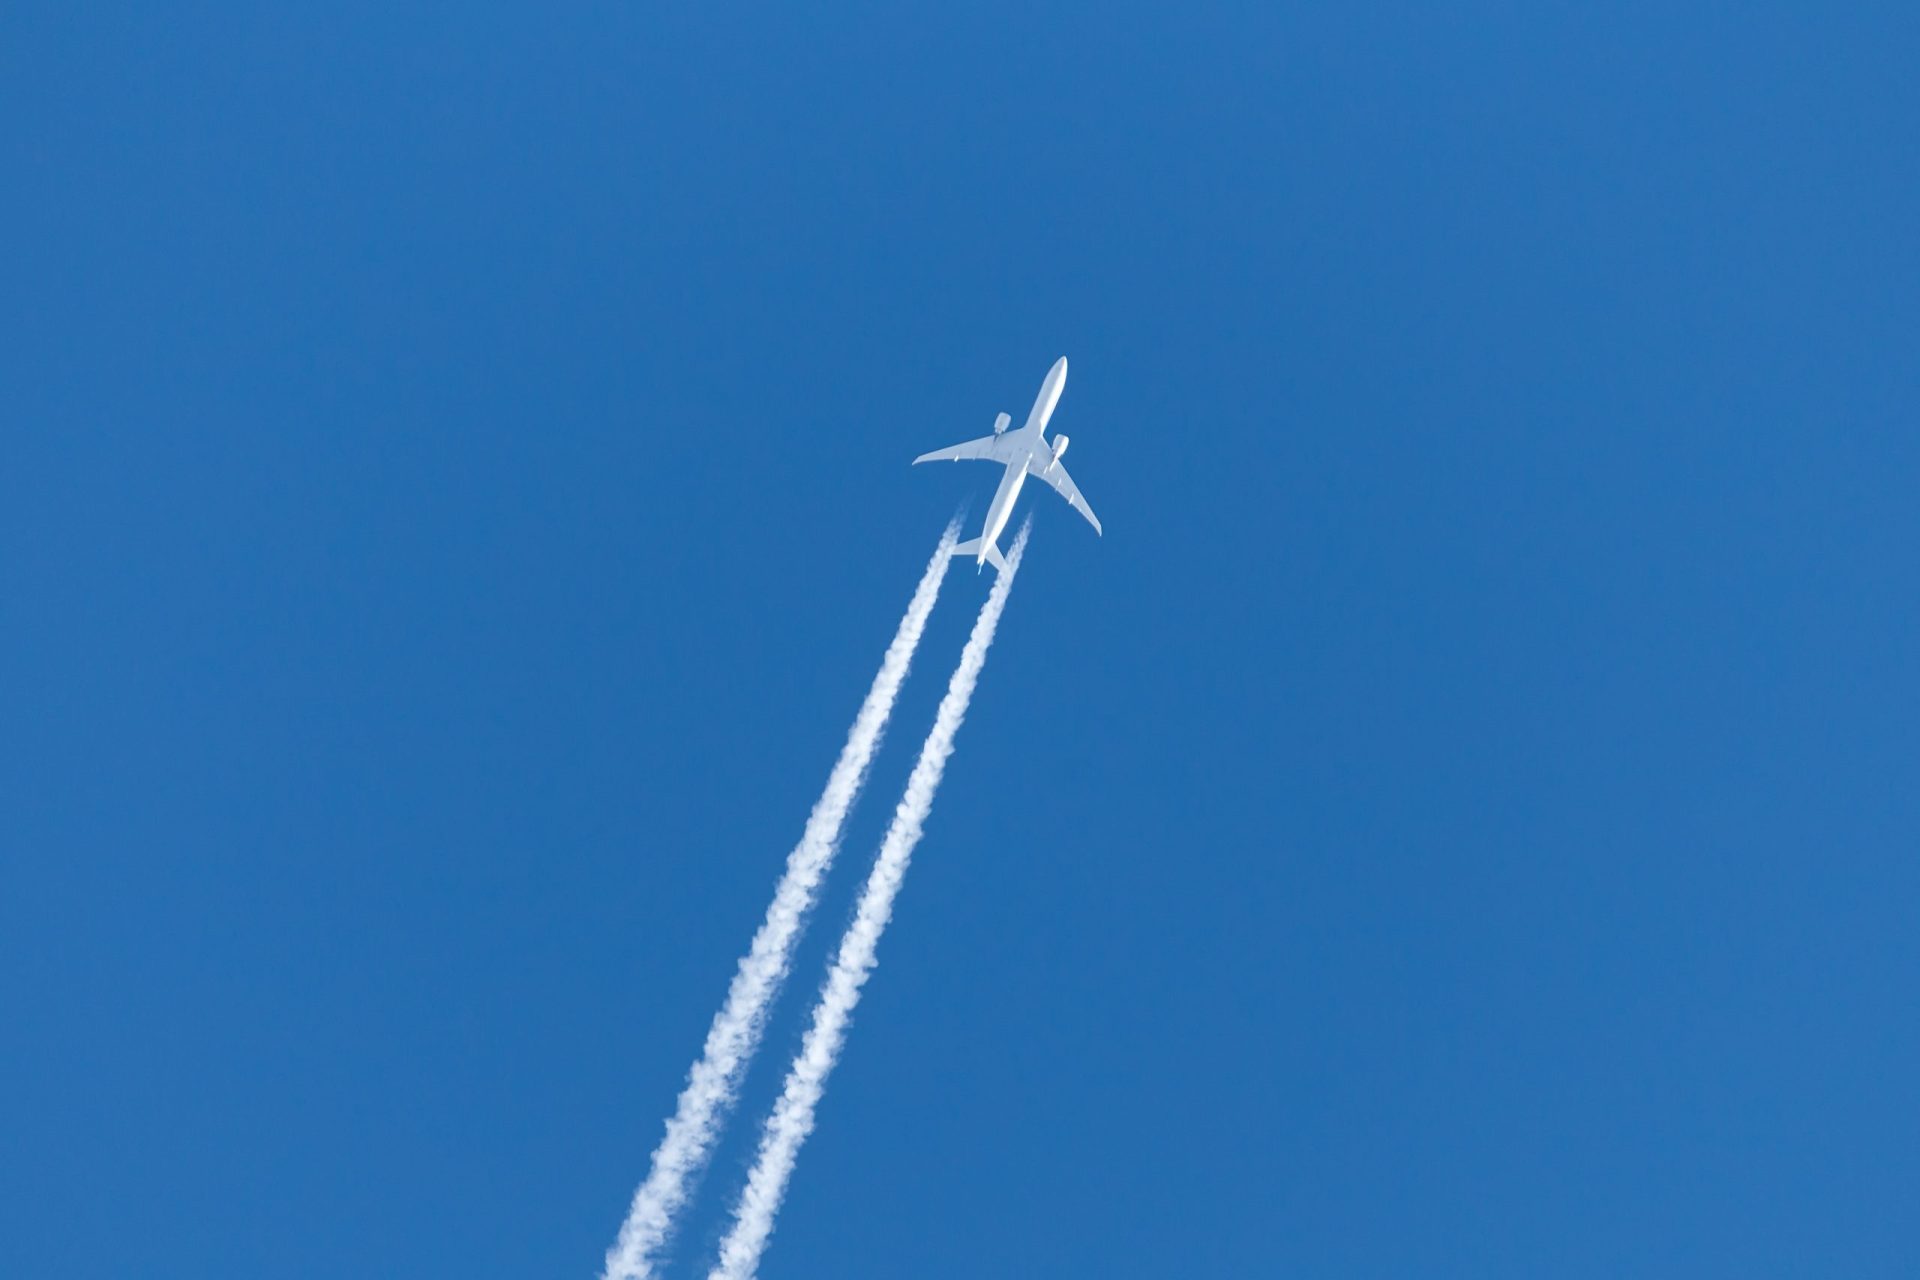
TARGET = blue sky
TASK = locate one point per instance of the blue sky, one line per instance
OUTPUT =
(1460, 819)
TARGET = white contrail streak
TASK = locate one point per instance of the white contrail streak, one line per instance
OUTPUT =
(792, 1118)
(715, 1078)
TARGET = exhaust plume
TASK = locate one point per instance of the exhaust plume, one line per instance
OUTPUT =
(793, 1115)
(714, 1080)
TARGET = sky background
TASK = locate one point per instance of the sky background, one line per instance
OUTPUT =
(1460, 820)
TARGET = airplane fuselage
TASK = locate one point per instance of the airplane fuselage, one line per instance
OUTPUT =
(1050, 389)
(1001, 509)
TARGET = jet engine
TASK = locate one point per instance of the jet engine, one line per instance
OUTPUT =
(1000, 424)
(1059, 448)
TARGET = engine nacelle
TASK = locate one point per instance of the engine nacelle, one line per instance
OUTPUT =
(1000, 424)
(1059, 448)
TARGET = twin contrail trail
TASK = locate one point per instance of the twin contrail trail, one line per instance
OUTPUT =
(715, 1078)
(792, 1118)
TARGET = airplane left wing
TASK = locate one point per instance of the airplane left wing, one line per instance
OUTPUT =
(1056, 475)
(990, 448)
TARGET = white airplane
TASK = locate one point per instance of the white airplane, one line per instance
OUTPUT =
(1026, 452)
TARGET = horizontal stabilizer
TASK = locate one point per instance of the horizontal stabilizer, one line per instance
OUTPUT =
(972, 548)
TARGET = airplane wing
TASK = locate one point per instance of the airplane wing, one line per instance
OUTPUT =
(1063, 484)
(990, 448)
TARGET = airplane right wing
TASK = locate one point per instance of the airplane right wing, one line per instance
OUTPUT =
(1054, 472)
(989, 448)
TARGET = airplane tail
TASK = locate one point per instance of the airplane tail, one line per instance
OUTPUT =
(994, 558)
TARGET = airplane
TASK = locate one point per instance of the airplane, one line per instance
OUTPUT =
(1026, 452)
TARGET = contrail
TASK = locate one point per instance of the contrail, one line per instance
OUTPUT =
(792, 1118)
(715, 1078)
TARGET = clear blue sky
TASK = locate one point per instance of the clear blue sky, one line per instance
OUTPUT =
(1461, 819)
